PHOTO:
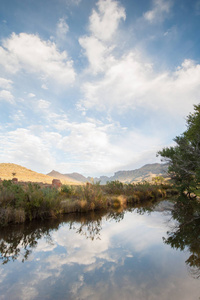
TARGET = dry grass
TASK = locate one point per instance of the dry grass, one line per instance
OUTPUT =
(24, 174)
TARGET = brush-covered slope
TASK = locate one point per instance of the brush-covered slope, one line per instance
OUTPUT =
(9, 170)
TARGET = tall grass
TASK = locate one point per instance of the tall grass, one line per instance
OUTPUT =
(32, 201)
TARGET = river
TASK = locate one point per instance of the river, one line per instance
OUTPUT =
(131, 254)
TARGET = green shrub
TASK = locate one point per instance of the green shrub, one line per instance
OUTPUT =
(114, 187)
(67, 190)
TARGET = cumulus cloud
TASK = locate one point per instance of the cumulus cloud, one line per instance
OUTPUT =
(31, 95)
(96, 53)
(103, 24)
(18, 116)
(130, 83)
(104, 148)
(91, 146)
(5, 83)
(160, 9)
(43, 104)
(25, 148)
(62, 29)
(30, 53)
(44, 87)
(6, 96)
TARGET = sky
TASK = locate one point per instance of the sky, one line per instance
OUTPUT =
(95, 87)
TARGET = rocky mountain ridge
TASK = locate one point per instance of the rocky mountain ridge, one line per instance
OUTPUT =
(147, 172)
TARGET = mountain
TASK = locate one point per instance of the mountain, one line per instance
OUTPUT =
(77, 177)
(73, 177)
(9, 170)
(147, 172)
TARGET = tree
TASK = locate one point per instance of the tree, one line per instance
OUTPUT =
(185, 234)
(184, 157)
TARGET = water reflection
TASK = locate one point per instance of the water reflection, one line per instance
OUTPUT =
(186, 233)
(117, 255)
(19, 241)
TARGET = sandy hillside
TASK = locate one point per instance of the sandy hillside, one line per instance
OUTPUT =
(24, 174)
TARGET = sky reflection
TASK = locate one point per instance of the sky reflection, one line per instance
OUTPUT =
(125, 260)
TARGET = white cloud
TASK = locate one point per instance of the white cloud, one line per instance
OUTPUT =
(103, 27)
(62, 29)
(5, 83)
(102, 149)
(104, 22)
(31, 95)
(6, 96)
(43, 104)
(18, 116)
(23, 147)
(90, 147)
(96, 53)
(28, 52)
(131, 83)
(160, 9)
(44, 87)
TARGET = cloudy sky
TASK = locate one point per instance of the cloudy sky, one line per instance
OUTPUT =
(95, 86)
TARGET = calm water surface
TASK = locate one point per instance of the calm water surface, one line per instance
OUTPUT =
(119, 255)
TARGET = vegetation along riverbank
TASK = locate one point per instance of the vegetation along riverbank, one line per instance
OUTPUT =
(28, 201)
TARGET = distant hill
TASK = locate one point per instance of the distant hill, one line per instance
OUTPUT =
(73, 177)
(24, 174)
(77, 177)
(146, 172)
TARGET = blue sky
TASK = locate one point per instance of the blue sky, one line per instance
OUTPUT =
(95, 86)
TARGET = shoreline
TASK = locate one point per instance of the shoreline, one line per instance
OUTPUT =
(20, 202)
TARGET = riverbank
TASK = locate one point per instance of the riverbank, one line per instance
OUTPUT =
(22, 202)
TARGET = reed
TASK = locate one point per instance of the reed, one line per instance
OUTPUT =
(19, 203)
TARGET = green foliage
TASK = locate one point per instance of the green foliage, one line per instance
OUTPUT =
(158, 179)
(20, 202)
(186, 232)
(41, 203)
(184, 157)
(114, 187)
(67, 190)
(93, 194)
(11, 194)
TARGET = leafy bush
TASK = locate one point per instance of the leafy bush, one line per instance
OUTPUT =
(30, 201)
